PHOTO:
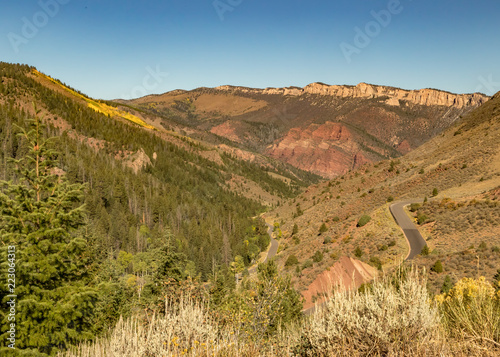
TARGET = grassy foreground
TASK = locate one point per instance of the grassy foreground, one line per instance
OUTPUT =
(394, 316)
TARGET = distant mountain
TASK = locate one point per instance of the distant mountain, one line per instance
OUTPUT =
(326, 130)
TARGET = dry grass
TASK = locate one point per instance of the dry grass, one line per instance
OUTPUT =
(394, 317)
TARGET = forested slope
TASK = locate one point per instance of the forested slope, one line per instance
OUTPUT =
(178, 205)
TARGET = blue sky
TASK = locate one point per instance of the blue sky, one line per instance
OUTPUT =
(114, 49)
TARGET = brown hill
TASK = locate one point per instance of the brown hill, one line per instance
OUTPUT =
(301, 126)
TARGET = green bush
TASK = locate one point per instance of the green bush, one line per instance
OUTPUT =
(435, 192)
(358, 252)
(414, 207)
(327, 240)
(376, 262)
(421, 218)
(295, 229)
(323, 228)
(425, 250)
(390, 199)
(291, 260)
(317, 257)
(437, 267)
(447, 285)
(364, 220)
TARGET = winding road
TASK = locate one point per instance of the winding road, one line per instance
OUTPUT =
(411, 232)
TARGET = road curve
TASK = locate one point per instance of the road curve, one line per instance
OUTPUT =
(411, 232)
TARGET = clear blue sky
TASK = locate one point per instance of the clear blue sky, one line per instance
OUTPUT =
(106, 48)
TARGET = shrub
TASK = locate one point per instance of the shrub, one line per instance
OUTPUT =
(390, 199)
(414, 207)
(382, 247)
(327, 240)
(437, 267)
(421, 218)
(358, 252)
(336, 219)
(447, 284)
(307, 264)
(335, 256)
(496, 278)
(392, 243)
(435, 192)
(291, 260)
(323, 228)
(364, 220)
(471, 309)
(295, 229)
(425, 250)
(376, 262)
(317, 257)
(374, 322)
(180, 326)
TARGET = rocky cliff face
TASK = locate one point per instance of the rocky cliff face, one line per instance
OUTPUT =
(363, 90)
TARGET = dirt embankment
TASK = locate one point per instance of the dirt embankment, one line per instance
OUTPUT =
(346, 273)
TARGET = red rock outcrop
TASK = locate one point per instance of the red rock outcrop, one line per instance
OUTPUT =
(327, 150)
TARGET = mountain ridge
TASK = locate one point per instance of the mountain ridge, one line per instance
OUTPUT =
(298, 125)
(425, 96)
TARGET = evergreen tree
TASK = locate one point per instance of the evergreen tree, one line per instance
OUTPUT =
(447, 285)
(323, 228)
(40, 215)
(437, 267)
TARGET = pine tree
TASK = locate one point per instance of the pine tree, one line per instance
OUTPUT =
(323, 228)
(40, 215)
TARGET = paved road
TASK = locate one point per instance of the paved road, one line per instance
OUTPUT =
(272, 250)
(274, 244)
(413, 236)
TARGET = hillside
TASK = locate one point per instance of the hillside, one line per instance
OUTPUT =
(150, 194)
(460, 224)
(327, 130)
